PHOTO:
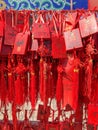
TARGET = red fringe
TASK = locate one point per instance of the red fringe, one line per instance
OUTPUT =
(70, 82)
(10, 82)
(5, 126)
(94, 92)
(10, 87)
(32, 86)
(41, 79)
(18, 91)
(45, 81)
(50, 81)
(20, 84)
(3, 88)
(14, 117)
(59, 87)
(88, 78)
(3, 85)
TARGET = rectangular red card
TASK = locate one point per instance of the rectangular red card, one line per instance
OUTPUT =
(41, 30)
(10, 30)
(73, 39)
(10, 34)
(88, 25)
(20, 20)
(8, 18)
(70, 20)
(21, 42)
(58, 47)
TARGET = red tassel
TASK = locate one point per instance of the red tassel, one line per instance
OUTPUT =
(41, 79)
(88, 78)
(18, 92)
(10, 82)
(55, 76)
(94, 93)
(3, 88)
(19, 84)
(45, 80)
(50, 86)
(32, 85)
(14, 117)
(59, 87)
(70, 81)
(3, 84)
(5, 127)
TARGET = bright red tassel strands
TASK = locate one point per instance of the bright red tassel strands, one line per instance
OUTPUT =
(5, 125)
(41, 79)
(88, 78)
(32, 85)
(24, 84)
(45, 80)
(19, 84)
(10, 81)
(70, 81)
(3, 83)
(59, 87)
(50, 86)
(88, 68)
(14, 116)
(94, 91)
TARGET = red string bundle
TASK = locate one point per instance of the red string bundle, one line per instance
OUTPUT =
(50, 91)
(32, 85)
(5, 126)
(45, 81)
(59, 87)
(14, 116)
(10, 82)
(54, 77)
(94, 91)
(88, 78)
(70, 82)
(41, 79)
(19, 84)
(3, 83)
